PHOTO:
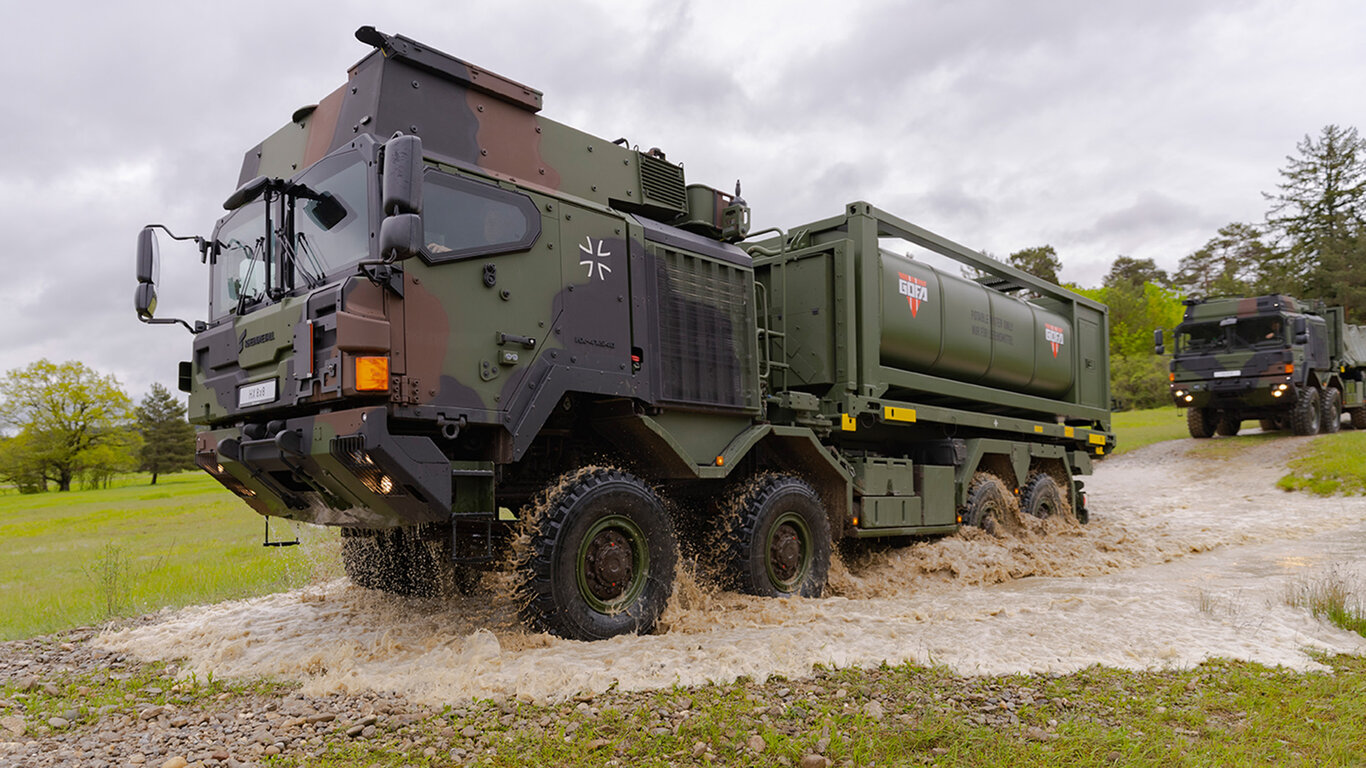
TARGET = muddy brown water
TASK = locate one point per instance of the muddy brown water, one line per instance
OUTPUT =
(1186, 558)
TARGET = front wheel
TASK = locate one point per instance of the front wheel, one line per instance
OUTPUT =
(601, 557)
(1331, 410)
(775, 539)
(1304, 416)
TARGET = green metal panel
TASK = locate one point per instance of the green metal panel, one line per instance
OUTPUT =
(936, 486)
(890, 511)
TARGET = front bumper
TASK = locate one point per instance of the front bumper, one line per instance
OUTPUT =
(342, 468)
(1235, 393)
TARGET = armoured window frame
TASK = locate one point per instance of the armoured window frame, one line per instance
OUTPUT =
(488, 191)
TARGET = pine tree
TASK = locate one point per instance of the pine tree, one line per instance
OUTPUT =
(167, 439)
(1318, 215)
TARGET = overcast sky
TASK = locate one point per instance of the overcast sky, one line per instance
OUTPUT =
(1099, 128)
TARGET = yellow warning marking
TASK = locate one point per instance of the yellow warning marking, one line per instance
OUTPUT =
(1038, 428)
(1096, 439)
(848, 423)
(1068, 432)
(1100, 450)
(898, 414)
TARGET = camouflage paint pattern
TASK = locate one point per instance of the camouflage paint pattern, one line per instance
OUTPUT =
(625, 292)
(1231, 358)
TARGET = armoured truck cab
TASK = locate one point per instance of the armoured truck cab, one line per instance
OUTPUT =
(419, 268)
(1272, 358)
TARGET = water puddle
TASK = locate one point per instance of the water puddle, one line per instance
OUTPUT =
(1187, 558)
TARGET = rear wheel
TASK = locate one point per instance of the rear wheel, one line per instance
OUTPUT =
(1042, 497)
(1228, 425)
(990, 506)
(1304, 417)
(601, 557)
(1268, 425)
(775, 540)
(1358, 418)
(1200, 422)
(1331, 410)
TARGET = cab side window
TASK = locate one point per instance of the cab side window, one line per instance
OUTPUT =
(463, 218)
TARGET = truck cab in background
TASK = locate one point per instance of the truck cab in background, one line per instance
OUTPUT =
(1289, 364)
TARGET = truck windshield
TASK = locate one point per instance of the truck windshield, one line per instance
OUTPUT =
(1230, 334)
(1200, 337)
(238, 274)
(1259, 331)
(325, 232)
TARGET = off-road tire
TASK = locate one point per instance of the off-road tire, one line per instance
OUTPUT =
(1042, 497)
(990, 505)
(1268, 425)
(1200, 422)
(773, 540)
(1331, 410)
(1304, 415)
(1228, 426)
(1358, 418)
(596, 525)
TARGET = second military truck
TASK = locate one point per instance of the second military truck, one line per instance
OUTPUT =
(1290, 364)
(458, 330)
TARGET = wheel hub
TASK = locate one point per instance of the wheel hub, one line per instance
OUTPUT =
(608, 564)
(785, 551)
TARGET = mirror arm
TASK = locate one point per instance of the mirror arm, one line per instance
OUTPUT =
(199, 325)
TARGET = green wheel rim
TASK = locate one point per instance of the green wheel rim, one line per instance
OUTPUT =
(599, 548)
(786, 573)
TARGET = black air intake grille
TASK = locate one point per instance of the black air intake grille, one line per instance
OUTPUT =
(661, 183)
(706, 336)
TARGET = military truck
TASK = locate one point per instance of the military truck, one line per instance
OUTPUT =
(1285, 362)
(469, 335)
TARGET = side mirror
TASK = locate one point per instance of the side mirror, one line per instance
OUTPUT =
(149, 257)
(401, 191)
(1301, 327)
(1158, 347)
(145, 301)
(400, 236)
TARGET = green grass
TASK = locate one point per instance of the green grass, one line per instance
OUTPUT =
(71, 559)
(1329, 465)
(1333, 596)
(1135, 429)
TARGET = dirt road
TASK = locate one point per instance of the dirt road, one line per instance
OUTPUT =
(1186, 558)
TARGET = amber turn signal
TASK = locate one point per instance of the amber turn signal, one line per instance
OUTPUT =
(372, 374)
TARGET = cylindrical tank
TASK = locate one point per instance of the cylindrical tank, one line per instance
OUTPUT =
(947, 326)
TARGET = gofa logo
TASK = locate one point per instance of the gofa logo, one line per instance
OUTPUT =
(1054, 336)
(914, 289)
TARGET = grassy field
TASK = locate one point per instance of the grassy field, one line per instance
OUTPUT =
(1135, 429)
(1331, 464)
(70, 559)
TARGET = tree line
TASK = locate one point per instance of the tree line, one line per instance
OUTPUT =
(73, 426)
(1311, 244)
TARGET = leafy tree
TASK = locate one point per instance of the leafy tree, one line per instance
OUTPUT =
(1135, 273)
(167, 439)
(64, 413)
(1138, 378)
(1317, 216)
(19, 464)
(1228, 265)
(1040, 261)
